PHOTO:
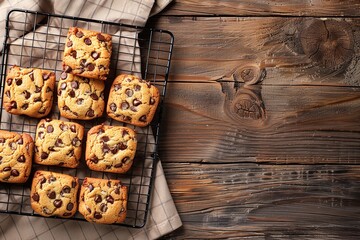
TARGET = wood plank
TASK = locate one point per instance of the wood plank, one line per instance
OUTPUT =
(220, 122)
(264, 7)
(278, 50)
(248, 200)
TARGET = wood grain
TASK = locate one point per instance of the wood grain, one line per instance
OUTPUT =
(290, 51)
(264, 7)
(304, 125)
(266, 201)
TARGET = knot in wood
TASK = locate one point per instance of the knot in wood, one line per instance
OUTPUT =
(249, 74)
(328, 43)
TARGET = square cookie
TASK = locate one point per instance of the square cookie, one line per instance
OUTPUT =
(58, 143)
(16, 151)
(29, 91)
(87, 53)
(132, 100)
(110, 148)
(54, 194)
(103, 201)
(80, 98)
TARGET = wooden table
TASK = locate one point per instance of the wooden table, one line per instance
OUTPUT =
(261, 135)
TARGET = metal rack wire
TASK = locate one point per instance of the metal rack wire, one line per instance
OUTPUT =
(36, 39)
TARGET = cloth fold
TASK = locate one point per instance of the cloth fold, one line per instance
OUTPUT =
(162, 216)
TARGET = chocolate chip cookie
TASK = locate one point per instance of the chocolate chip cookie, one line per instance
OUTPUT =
(87, 53)
(80, 98)
(132, 100)
(29, 91)
(110, 148)
(58, 143)
(16, 151)
(54, 194)
(103, 201)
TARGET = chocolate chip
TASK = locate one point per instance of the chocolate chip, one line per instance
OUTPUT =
(91, 187)
(97, 215)
(117, 190)
(136, 102)
(66, 189)
(105, 138)
(82, 62)
(13, 105)
(36, 197)
(71, 153)
(14, 173)
(6, 169)
(75, 84)
(37, 89)
(129, 92)
(117, 87)
(142, 118)
(97, 198)
(73, 128)
(114, 150)
(125, 132)
(48, 89)
(94, 96)
(87, 41)
(76, 142)
(31, 76)
(12, 145)
(95, 55)
(57, 203)
(94, 159)
(52, 179)
(113, 107)
(148, 84)
(2, 140)
(152, 101)
(125, 159)
(72, 93)
(66, 108)
(63, 75)
(103, 207)
(108, 183)
(110, 199)
(67, 214)
(122, 146)
(90, 66)
(67, 69)
(63, 127)
(8, 94)
(45, 76)
(79, 34)
(124, 105)
(50, 128)
(38, 99)
(70, 206)
(90, 113)
(105, 148)
(21, 158)
(9, 81)
(73, 53)
(88, 209)
(42, 181)
(73, 184)
(58, 142)
(18, 81)
(27, 94)
(79, 101)
(51, 195)
(69, 43)
(100, 37)
(44, 155)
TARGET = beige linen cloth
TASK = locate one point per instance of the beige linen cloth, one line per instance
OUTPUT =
(163, 217)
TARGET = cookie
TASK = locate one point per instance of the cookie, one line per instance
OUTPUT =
(58, 143)
(54, 194)
(87, 53)
(80, 98)
(29, 91)
(16, 151)
(110, 148)
(103, 201)
(132, 100)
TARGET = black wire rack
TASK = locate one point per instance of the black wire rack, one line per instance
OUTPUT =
(35, 39)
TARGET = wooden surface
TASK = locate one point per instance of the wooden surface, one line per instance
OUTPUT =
(261, 132)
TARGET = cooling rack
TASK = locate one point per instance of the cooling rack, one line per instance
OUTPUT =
(35, 39)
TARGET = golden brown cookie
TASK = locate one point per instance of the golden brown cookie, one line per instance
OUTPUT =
(110, 148)
(16, 151)
(29, 91)
(54, 194)
(87, 53)
(80, 98)
(132, 100)
(58, 143)
(103, 201)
